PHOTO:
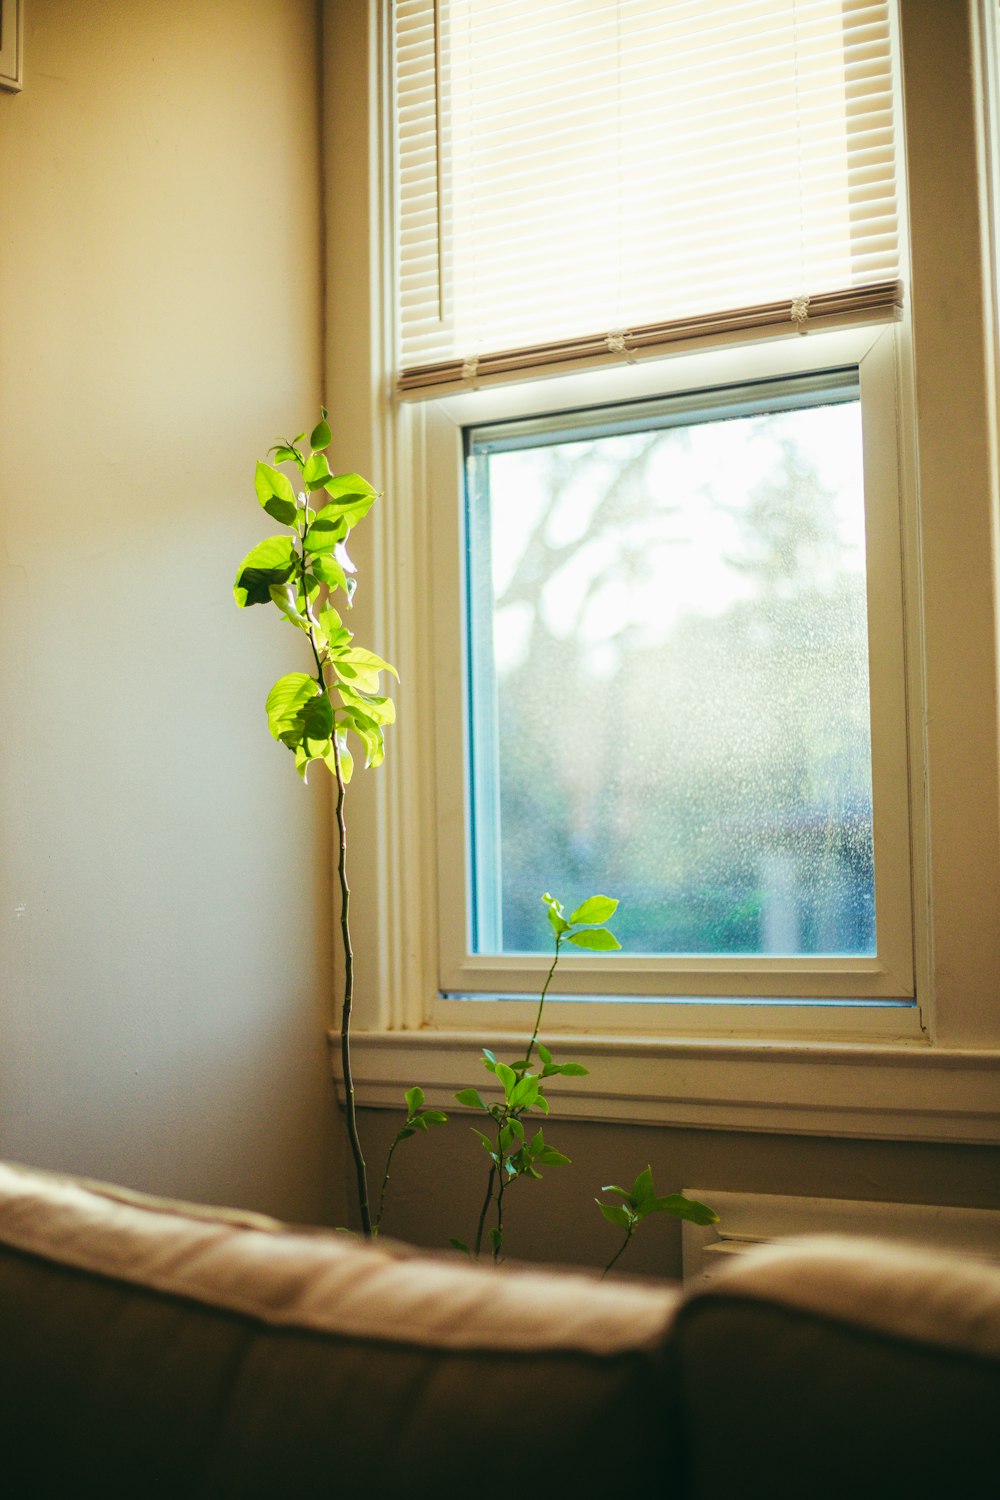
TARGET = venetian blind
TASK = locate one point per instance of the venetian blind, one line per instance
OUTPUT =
(585, 175)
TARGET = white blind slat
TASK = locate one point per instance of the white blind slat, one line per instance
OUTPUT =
(571, 166)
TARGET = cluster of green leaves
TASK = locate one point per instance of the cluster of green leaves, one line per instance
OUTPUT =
(512, 1152)
(641, 1200)
(418, 1117)
(299, 573)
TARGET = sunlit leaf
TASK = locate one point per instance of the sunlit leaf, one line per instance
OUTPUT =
(595, 909)
(271, 561)
(284, 597)
(321, 436)
(275, 493)
(316, 472)
(286, 701)
(328, 570)
(598, 939)
(414, 1098)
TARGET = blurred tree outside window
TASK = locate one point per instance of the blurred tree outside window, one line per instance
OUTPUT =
(668, 673)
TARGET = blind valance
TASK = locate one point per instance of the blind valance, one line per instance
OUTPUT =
(585, 175)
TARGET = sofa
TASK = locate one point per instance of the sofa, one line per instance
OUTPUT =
(152, 1348)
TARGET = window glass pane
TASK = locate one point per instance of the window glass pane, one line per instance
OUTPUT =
(669, 673)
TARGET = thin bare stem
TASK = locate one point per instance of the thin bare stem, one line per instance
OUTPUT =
(619, 1252)
(485, 1210)
(541, 1002)
(345, 1015)
(385, 1183)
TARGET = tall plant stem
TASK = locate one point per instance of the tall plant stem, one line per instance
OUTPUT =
(345, 1015)
(350, 1104)
(541, 1002)
(485, 1210)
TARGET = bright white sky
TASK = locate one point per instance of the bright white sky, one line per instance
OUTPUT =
(685, 532)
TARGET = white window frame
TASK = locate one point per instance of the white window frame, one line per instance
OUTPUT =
(887, 976)
(860, 1073)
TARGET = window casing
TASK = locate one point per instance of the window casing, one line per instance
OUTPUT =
(871, 1072)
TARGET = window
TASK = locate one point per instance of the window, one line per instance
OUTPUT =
(669, 681)
(736, 823)
(679, 678)
(909, 331)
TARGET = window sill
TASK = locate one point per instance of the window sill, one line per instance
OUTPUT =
(890, 1092)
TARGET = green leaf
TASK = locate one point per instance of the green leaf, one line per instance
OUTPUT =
(283, 597)
(325, 532)
(414, 1098)
(490, 1055)
(359, 668)
(507, 1077)
(524, 1094)
(275, 493)
(328, 570)
(321, 436)
(346, 488)
(316, 472)
(544, 1054)
(317, 724)
(596, 909)
(598, 939)
(435, 1117)
(284, 454)
(286, 701)
(550, 1157)
(612, 1187)
(271, 561)
(541, 1103)
(615, 1215)
(333, 627)
(470, 1097)
(559, 924)
(378, 710)
(643, 1191)
(680, 1207)
(496, 1240)
(460, 1245)
(346, 759)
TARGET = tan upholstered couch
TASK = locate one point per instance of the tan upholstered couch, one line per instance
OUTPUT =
(153, 1349)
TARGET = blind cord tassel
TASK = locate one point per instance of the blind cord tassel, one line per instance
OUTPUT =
(800, 312)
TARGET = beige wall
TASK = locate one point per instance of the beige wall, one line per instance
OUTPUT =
(164, 962)
(438, 1180)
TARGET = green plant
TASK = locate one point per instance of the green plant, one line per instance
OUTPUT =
(313, 714)
(300, 572)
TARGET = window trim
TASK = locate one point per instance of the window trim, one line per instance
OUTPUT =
(946, 1084)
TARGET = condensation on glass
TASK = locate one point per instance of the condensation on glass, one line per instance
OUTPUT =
(668, 672)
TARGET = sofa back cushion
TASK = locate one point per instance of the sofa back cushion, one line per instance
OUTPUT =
(835, 1368)
(156, 1349)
